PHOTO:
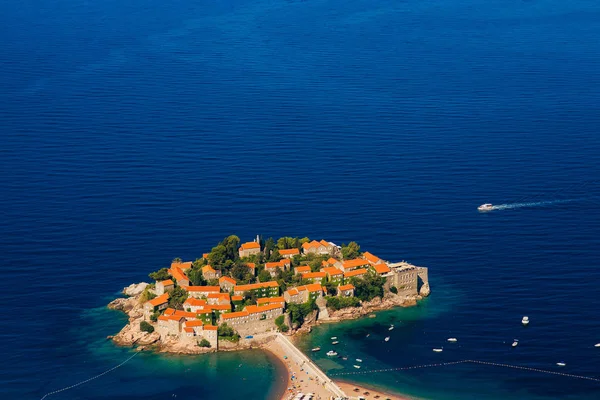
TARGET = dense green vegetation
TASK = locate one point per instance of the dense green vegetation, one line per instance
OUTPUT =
(350, 250)
(394, 289)
(337, 303)
(204, 343)
(154, 316)
(280, 322)
(160, 275)
(177, 298)
(299, 311)
(368, 287)
(228, 333)
(146, 327)
(146, 295)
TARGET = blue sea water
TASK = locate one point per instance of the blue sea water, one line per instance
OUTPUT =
(135, 132)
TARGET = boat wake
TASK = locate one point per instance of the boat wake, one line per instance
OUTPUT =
(511, 206)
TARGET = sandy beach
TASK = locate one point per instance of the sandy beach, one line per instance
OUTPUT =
(369, 394)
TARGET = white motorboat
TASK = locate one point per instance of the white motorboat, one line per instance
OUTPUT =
(525, 321)
(357, 366)
(336, 342)
(331, 353)
(358, 360)
(561, 364)
(485, 207)
(515, 343)
(597, 345)
(438, 350)
(452, 339)
(316, 349)
(387, 339)
(391, 327)
(333, 337)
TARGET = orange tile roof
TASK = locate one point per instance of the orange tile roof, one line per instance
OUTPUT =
(220, 307)
(268, 300)
(210, 328)
(169, 311)
(254, 286)
(205, 255)
(292, 291)
(370, 257)
(194, 322)
(205, 311)
(250, 245)
(278, 264)
(218, 296)
(170, 317)
(251, 265)
(208, 268)
(324, 264)
(313, 287)
(331, 261)
(303, 269)
(289, 252)
(192, 301)
(325, 243)
(157, 301)
(177, 274)
(346, 287)
(203, 288)
(355, 272)
(237, 298)
(227, 279)
(167, 282)
(188, 330)
(357, 262)
(314, 243)
(182, 265)
(184, 314)
(234, 315)
(381, 268)
(332, 271)
(260, 309)
(310, 275)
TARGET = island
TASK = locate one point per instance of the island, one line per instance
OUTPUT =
(260, 294)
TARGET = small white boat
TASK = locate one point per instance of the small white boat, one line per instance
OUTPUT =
(387, 339)
(438, 350)
(358, 360)
(357, 366)
(368, 334)
(336, 342)
(344, 358)
(525, 321)
(561, 364)
(331, 353)
(597, 345)
(515, 343)
(486, 207)
(391, 327)
(316, 349)
(333, 337)
(452, 339)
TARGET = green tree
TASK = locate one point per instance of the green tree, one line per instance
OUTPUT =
(195, 276)
(200, 262)
(284, 328)
(304, 240)
(204, 343)
(368, 287)
(241, 272)
(279, 320)
(331, 288)
(146, 327)
(217, 256)
(250, 296)
(337, 303)
(177, 297)
(231, 244)
(269, 247)
(146, 295)
(154, 316)
(275, 256)
(160, 275)
(394, 289)
(177, 260)
(350, 251)
(264, 276)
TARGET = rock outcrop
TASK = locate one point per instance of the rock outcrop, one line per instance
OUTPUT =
(377, 304)
(134, 289)
(425, 290)
(124, 304)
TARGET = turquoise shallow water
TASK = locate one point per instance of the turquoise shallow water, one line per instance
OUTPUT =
(135, 132)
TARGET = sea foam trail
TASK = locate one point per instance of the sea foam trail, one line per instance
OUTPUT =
(511, 206)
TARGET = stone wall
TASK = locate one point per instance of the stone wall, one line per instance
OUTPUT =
(255, 326)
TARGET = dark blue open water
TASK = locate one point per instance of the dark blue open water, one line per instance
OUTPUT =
(134, 132)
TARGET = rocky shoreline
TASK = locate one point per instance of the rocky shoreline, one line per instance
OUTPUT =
(132, 335)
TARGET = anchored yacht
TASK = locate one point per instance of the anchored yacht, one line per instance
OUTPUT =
(486, 207)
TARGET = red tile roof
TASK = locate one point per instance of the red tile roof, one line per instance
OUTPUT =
(251, 265)
(332, 271)
(205, 255)
(310, 275)
(224, 296)
(302, 269)
(208, 268)
(371, 258)
(357, 262)
(194, 322)
(346, 287)
(157, 301)
(220, 307)
(289, 252)
(205, 289)
(381, 268)
(250, 245)
(210, 328)
(269, 300)
(261, 309)
(194, 302)
(184, 314)
(355, 272)
(178, 274)
(182, 265)
(167, 282)
(234, 315)
(227, 279)
(237, 298)
(313, 287)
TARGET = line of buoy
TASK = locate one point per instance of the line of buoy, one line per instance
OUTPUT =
(589, 378)
(89, 379)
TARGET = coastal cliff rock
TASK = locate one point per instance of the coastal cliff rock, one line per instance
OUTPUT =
(130, 334)
(123, 304)
(134, 289)
(377, 304)
(425, 290)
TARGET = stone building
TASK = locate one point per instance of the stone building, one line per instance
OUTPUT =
(322, 247)
(156, 304)
(315, 277)
(248, 249)
(182, 265)
(271, 300)
(302, 294)
(209, 273)
(271, 267)
(202, 291)
(334, 275)
(381, 269)
(193, 304)
(218, 298)
(302, 269)
(179, 276)
(253, 319)
(226, 283)
(371, 258)
(350, 265)
(405, 278)
(263, 289)
(289, 253)
(252, 267)
(346, 290)
(162, 287)
(357, 273)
